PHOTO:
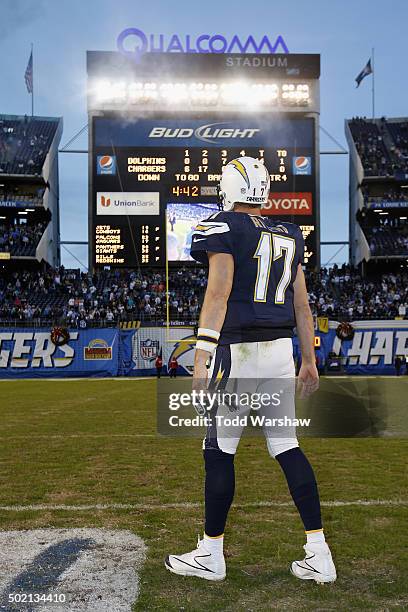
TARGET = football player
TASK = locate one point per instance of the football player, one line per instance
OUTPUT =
(256, 294)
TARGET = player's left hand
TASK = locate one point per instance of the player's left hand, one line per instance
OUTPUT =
(308, 380)
(200, 376)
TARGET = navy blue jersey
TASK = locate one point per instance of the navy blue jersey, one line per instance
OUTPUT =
(266, 254)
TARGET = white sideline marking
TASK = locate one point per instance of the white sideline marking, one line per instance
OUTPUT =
(104, 576)
(186, 505)
(80, 435)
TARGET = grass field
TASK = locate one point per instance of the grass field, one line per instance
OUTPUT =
(69, 444)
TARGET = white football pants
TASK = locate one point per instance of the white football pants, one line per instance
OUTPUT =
(247, 371)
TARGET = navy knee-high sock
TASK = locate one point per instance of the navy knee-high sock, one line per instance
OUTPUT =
(302, 486)
(219, 490)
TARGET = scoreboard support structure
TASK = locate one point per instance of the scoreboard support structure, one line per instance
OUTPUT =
(161, 129)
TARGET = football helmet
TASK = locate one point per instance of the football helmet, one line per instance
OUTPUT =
(244, 180)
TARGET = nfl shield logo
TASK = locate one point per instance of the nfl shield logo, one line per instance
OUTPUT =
(149, 349)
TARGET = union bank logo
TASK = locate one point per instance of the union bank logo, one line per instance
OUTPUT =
(105, 202)
(128, 203)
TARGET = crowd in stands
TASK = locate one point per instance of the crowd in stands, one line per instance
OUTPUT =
(24, 143)
(386, 234)
(78, 299)
(382, 145)
(342, 294)
(370, 147)
(20, 240)
(388, 194)
(385, 241)
(399, 135)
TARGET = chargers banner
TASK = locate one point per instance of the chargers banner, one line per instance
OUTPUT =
(140, 347)
(29, 353)
(372, 350)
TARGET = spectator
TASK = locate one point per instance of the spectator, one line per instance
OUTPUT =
(398, 364)
(159, 365)
(173, 365)
(108, 297)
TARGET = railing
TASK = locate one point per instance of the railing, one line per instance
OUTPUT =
(142, 319)
(160, 321)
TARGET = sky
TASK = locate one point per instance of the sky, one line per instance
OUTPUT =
(343, 32)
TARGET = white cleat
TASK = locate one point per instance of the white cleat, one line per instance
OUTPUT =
(200, 562)
(317, 565)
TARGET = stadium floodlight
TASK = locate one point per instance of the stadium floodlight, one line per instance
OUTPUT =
(234, 93)
(250, 94)
(119, 91)
(295, 94)
(173, 93)
(102, 91)
(203, 93)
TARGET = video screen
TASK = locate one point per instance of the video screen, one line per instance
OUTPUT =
(181, 220)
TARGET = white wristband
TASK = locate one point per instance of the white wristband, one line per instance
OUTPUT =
(211, 333)
(203, 345)
(207, 339)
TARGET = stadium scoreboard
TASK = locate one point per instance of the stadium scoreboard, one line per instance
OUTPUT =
(154, 176)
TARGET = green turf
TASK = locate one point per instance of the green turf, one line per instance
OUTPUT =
(91, 442)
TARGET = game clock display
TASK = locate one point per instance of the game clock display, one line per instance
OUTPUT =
(155, 178)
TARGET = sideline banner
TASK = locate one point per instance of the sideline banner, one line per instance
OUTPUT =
(29, 353)
(140, 347)
(372, 351)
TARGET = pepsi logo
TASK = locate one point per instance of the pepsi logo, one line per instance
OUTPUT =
(106, 162)
(302, 162)
(302, 165)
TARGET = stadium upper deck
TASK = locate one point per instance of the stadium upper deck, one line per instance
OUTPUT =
(25, 142)
(378, 189)
(29, 207)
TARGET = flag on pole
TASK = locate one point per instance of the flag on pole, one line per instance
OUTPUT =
(365, 72)
(28, 75)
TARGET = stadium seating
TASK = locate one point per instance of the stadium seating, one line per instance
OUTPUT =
(399, 135)
(24, 143)
(20, 240)
(382, 145)
(371, 148)
(385, 241)
(109, 297)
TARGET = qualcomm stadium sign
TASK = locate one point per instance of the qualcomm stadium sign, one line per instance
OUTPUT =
(134, 43)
